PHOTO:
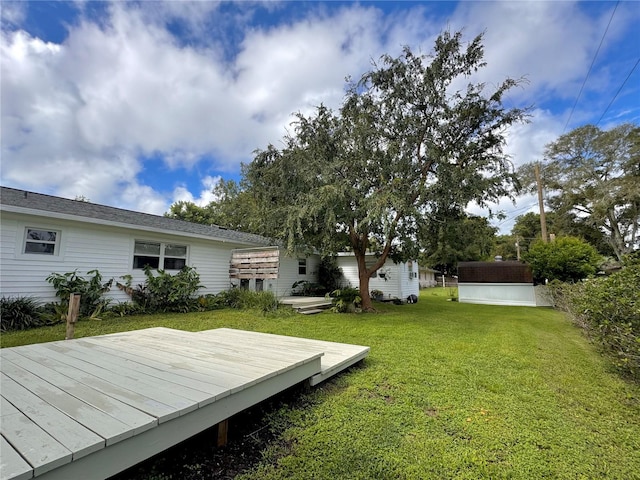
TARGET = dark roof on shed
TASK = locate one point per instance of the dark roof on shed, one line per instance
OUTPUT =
(80, 209)
(494, 272)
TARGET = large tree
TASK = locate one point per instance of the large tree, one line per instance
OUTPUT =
(527, 229)
(410, 143)
(594, 175)
(232, 208)
(458, 239)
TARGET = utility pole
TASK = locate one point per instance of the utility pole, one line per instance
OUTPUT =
(543, 220)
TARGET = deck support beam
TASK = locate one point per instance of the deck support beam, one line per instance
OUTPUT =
(223, 430)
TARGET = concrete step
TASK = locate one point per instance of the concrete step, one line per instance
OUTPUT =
(313, 307)
(308, 306)
(311, 312)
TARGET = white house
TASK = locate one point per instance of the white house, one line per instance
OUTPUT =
(394, 280)
(42, 234)
(427, 277)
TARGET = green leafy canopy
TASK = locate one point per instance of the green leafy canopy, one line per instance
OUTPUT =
(594, 176)
(405, 148)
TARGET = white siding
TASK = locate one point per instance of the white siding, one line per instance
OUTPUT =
(80, 248)
(287, 275)
(517, 294)
(427, 278)
(349, 270)
(85, 247)
(396, 283)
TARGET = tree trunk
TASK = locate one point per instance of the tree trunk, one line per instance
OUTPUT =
(360, 244)
(367, 304)
(363, 280)
(617, 242)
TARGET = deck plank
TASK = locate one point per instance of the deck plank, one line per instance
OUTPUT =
(156, 368)
(142, 374)
(109, 428)
(238, 367)
(250, 354)
(75, 437)
(39, 448)
(148, 405)
(337, 356)
(136, 420)
(111, 371)
(12, 465)
(226, 374)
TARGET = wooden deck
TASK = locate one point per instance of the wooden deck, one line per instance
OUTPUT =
(91, 407)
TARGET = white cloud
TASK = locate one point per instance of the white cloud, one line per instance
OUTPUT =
(206, 195)
(13, 14)
(144, 199)
(296, 67)
(526, 141)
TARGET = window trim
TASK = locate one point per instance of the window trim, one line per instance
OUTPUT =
(302, 269)
(56, 243)
(161, 257)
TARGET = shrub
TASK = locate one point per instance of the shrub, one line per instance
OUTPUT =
(346, 300)
(243, 299)
(329, 274)
(91, 291)
(165, 292)
(308, 289)
(567, 259)
(19, 313)
(210, 302)
(124, 309)
(608, 309)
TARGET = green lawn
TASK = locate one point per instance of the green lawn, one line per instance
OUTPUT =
(449, 390)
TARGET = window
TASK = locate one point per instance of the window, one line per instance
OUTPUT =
(159, 255)
(259, 285)
(302, 266)
(41, 242)
(175, 256)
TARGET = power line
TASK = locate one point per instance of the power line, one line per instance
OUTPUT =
(618, 92)
(591, 67)
(515, 213)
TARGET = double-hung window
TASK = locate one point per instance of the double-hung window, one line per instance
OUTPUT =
(302, 266)
(167, 256)
(41, 241)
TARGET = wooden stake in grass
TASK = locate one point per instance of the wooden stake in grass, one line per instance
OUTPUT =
(72, 314)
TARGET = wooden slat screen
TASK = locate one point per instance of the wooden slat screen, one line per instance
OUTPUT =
(254, 264)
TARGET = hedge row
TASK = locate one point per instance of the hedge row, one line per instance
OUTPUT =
(608, 309)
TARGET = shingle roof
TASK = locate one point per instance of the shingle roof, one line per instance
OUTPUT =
(80, 209)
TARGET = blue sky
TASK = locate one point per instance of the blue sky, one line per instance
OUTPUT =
(138, 105)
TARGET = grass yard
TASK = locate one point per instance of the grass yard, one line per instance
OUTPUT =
(449, 390)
